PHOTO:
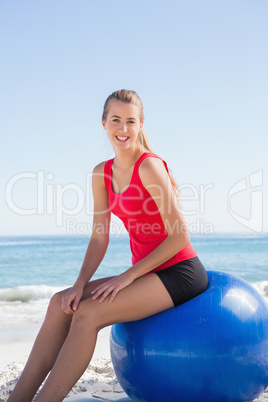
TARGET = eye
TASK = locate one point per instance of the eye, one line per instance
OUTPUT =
(132, 122)
(116, 120)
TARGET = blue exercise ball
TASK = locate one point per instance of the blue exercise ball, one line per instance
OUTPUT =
(213, 347)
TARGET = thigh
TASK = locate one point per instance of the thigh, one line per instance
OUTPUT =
(144, 297)
(92, 285)
(56, 300)
(88, 287)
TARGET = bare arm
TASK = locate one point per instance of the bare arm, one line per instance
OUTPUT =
(153, 171)
(98, 242)
(94, 255)
(156, 180)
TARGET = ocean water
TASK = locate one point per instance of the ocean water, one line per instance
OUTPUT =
(33, 268)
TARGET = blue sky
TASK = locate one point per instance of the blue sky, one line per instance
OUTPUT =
(200, 68)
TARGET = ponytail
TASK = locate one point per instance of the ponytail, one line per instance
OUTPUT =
(128, 96)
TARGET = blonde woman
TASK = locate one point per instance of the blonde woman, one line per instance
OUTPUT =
(135, 185)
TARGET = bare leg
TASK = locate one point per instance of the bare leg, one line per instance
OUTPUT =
(45, 350)
(144, 297)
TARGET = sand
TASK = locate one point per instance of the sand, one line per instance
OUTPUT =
(98, 383)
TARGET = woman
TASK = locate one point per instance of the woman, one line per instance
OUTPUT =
(137, 187)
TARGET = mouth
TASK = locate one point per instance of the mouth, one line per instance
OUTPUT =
(122, 138)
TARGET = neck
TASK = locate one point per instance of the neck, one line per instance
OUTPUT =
(127, 158)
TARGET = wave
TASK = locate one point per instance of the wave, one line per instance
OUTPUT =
(262, 288)
(35, 240)
(231, 235)
(23, 242)
(28, 293)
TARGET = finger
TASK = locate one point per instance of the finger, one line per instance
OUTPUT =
(67, 310)
(114, 293)
(75, 303)
(68, 301)
(98, 289)
(67, 304)
(94, 290)
(96, 295)
(106, 293)
(102, 286)
(101, 290)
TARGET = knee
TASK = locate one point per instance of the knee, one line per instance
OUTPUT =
(55, 304)
(85, 316)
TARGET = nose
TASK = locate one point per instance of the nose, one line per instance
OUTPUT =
(123, 127)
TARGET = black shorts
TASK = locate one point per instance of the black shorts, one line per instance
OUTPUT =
(184, 280)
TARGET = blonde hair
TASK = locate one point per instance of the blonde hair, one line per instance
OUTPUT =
(128, 96)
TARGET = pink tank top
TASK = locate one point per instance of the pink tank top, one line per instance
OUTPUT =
(140, 216)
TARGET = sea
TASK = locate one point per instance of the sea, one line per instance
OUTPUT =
(33, 268)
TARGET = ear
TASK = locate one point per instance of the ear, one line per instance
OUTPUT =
(103, 123)
(141, 125)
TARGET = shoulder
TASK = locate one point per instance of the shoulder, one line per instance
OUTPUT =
(99, 169)
(153, 165)
(102, 167)
(152, 169)
(98, 175)
(151, 162)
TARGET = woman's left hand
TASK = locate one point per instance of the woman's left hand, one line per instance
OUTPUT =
(112, 286)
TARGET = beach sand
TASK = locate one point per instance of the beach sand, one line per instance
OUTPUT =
(98, 383)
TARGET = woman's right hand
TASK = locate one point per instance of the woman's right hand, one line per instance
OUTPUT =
(71, 299)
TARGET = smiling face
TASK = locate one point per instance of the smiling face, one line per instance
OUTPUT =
(122, 124)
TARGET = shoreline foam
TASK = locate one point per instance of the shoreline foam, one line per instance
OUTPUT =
(19, 326)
